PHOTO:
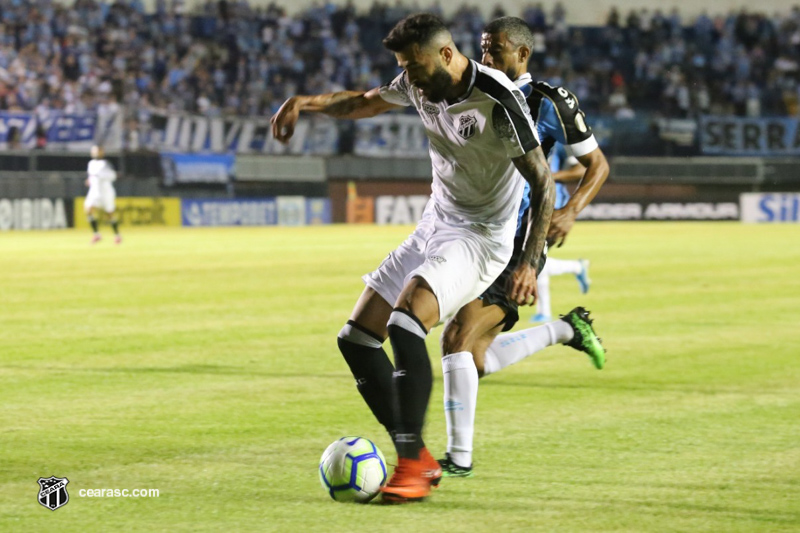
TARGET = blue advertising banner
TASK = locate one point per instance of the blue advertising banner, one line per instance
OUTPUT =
(318, 211)
(19, 130)
(172, 132)
(770, 207)
(196, 168)
(283, 210)
(749, 136)
(251, 212)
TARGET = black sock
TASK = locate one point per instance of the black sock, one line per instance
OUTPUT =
(373, 372)
(93, 222)
(115, 226)
(413, 380)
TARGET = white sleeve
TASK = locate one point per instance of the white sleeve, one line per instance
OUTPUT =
(582, 148)
(397, 91)
(108, 173)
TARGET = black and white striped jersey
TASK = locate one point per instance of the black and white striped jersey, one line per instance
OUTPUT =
(472, 142)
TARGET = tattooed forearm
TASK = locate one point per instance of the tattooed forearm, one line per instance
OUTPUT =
(342, 104)
(534, 168)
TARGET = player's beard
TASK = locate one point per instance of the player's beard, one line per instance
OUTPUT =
(440, 82)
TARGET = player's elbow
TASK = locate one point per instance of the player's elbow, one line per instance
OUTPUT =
(599, 165)
(603, 167)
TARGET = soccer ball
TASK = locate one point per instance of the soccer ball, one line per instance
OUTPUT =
(352, 469)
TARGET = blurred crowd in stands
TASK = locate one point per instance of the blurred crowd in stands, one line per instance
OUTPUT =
(228, 57)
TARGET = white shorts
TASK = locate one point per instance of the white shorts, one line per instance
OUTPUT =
(458, 261)
(104, 200)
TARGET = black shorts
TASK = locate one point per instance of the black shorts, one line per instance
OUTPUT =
(497, 293)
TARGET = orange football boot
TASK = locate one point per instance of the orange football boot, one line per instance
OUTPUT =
(432, 469)
(408, 482)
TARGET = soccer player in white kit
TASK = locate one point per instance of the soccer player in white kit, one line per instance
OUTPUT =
(483, 147)
(101, 195)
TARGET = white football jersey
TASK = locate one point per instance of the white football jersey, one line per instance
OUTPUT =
(101, 174)
(472, 142)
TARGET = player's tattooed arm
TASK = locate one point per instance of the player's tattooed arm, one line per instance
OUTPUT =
(346, 104)
(342, 104)
(534, 168)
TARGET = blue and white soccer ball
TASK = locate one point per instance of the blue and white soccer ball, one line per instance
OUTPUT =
(352, 469)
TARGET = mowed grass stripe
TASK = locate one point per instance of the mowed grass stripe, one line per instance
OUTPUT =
(204, 363)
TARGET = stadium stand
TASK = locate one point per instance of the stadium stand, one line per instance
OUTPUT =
(233, 58)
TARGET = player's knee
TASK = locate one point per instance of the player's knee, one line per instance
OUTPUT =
(478, 364)
(479, 352)
(455, 339)
(419, 299)
(354, 333)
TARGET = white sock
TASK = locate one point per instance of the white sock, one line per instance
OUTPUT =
(543, 287)
(556, 267)
(510, 348)
(460, 399)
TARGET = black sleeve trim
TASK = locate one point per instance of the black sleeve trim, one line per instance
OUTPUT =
(520, 117)
(575, 129)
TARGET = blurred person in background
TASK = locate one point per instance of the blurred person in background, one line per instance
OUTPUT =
(101, 195)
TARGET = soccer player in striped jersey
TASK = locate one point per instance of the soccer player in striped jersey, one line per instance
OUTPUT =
(484, 148)
(472, 344)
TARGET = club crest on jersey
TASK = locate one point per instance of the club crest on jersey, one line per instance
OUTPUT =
(53, 492)
(430, 109)
(466, 126)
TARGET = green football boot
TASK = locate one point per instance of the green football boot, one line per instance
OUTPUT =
(585, 339)
(450, 469)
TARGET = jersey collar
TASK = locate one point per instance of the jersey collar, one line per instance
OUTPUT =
(523, 79)
(473, 76)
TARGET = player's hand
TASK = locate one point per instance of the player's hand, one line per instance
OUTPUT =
(522, 285)
(560, 225)
(284, 120)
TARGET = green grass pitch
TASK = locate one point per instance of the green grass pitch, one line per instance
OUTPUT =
(203, 363)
